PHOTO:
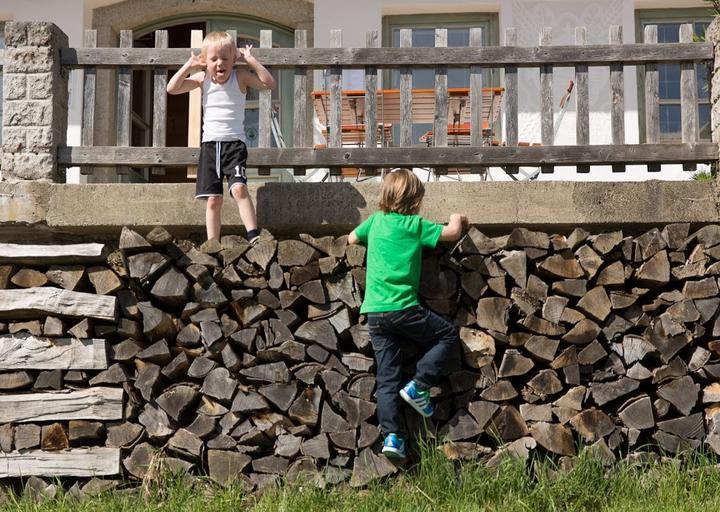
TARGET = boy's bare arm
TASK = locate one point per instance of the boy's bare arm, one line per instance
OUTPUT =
(181, 83)
(353, 238)
(262, 79)
(454, 228)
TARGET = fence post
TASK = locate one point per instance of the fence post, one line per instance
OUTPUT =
(35, 101)
(712, 35)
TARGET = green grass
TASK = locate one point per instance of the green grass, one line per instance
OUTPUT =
(438, 484)
(703, 176)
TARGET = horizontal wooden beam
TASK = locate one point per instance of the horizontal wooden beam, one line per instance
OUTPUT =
(79, 462)
(22, 351)
(39, 302)
(96, 403)
(488, 56)
(404, 157)
(52, 254)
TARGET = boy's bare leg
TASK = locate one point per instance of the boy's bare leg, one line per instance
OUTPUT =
(245, 206)
(212, 216)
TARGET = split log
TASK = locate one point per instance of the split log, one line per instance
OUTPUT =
(92, 403)
(592, 425)
(224, 466)
(514, 364)
(492, 313)
(682, 393)
(78, 462)
(22, 254)
(553, 437)
(369, 467)
(39, 302)
(53, 437)
(478, 347)
(29, 278)
(21, 351)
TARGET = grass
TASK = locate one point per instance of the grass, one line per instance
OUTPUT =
(438, 484)
(703, 176)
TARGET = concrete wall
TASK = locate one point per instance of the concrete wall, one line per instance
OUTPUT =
(37, 211)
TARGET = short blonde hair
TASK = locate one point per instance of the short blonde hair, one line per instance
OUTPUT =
(218, 40)
(402, 193)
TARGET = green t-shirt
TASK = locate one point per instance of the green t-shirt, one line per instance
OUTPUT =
(394, 259)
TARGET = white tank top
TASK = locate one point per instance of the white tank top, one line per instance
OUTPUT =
(223, 110)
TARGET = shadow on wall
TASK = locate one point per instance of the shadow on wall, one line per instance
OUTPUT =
(316, 208)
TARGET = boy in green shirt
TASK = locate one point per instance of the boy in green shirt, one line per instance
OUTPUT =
(395, 237)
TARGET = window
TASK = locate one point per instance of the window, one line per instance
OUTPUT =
(668, 23)
(423, 35)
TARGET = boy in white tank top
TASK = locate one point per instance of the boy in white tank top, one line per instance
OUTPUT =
(223, 152)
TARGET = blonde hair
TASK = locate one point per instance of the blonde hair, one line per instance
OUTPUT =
(219, 40)
(402, 193)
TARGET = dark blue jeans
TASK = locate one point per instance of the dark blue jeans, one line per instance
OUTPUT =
(434, 338)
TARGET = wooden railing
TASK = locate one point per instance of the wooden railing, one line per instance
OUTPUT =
(509, 58)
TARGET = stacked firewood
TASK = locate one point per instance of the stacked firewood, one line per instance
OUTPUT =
(254, 361)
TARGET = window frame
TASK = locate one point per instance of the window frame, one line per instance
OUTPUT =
(437, 20)
(488, 20)
(645, 17)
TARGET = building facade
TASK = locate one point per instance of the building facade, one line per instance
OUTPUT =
(388, 17)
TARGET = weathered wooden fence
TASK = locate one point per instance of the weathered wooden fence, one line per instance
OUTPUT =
(509, 58)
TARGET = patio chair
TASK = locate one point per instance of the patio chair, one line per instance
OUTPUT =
(352, 123)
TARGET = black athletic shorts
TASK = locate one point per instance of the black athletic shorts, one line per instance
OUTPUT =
(220, 160)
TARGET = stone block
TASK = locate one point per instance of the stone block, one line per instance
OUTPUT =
(44, 33)
(28, 59)
(29, 166)
(14, 140)
(40, 140)
(27, 113)
(14, 87)
(42, 86)
(16, 33)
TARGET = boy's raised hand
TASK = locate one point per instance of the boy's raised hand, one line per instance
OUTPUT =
(462, 219)
(195, 62)
(244, 53)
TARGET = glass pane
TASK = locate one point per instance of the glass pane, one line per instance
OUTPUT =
(668, 32)
(423, 78)
(704, 121)
(703, 82)
(418, 130)
(459, 77)
(458, 37)
(423, 38)
(670, 119)
(251, 127)
(699, 29)
(669, 81)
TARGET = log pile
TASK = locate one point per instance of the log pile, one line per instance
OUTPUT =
(253, 361)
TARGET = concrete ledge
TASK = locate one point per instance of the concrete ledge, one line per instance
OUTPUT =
(31, 210)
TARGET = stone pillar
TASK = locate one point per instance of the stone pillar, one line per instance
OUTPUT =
(35, 101)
